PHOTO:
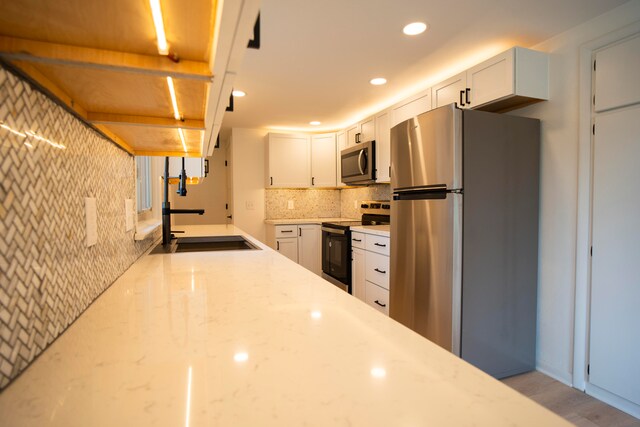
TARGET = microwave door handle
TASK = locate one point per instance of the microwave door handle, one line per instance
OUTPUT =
(360, 162)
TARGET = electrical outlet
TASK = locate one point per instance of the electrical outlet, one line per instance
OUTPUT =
(355, 204)
(250, 206)
(290, 204)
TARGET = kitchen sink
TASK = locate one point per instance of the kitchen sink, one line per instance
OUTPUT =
(206, 244)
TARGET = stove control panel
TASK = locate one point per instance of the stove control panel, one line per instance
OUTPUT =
(380, 207)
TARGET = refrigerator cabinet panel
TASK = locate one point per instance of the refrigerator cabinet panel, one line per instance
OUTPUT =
(426, 151)
(425, 267)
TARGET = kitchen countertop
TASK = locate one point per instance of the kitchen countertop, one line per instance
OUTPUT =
(379, 230)
(305, 220)
(242, 338)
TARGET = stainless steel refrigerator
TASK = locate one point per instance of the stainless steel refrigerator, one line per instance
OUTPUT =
(464, 234)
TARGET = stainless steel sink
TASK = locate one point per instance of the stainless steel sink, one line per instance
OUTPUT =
(206, 244)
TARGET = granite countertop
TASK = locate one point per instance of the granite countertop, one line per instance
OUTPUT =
(248, 338)
(287, 221)
(379, 230)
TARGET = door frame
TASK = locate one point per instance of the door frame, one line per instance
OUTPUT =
(584, 222)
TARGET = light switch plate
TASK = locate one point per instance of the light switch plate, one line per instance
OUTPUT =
(128, 213)
(290, 204)
(91, 220)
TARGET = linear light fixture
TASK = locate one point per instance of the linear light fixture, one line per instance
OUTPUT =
(174, 101)
(184, 145)
(156, 11)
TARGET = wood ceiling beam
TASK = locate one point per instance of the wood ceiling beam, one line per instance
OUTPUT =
(146, 121)
(60, 54)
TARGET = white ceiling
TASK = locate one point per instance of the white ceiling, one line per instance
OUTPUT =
(317, 57)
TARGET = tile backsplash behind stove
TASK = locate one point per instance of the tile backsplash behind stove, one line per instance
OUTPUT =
(350, 198)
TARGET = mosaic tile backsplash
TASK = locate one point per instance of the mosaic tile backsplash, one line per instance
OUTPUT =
(307, 203)
(48, 277)
(350, 198)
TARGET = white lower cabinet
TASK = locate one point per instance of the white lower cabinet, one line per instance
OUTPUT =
(370, 270)
(298, 242)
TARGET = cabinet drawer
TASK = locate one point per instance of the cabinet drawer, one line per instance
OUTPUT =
(377, 297)
(357, 240)
(286, 231)
(379, 244)
(377, 269)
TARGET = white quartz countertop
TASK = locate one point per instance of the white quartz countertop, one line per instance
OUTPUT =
(249, 338)
(379, 230)
(305, 220)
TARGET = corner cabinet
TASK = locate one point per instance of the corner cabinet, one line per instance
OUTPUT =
(514, 78)
(288, 158)
(301, 243)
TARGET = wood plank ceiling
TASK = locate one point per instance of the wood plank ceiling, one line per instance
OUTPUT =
(100, 58)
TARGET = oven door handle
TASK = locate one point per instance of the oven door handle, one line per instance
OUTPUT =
(333, 230)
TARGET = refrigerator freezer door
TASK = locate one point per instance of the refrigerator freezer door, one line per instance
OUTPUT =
(425, 276)
(426, 151)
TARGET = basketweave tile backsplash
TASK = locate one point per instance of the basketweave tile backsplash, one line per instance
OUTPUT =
(48, 277)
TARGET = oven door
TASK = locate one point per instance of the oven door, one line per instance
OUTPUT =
(336, 256)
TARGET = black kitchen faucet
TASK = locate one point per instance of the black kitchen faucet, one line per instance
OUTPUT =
(166, 205)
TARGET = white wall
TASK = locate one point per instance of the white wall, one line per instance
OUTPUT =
(247, 169)
(559, 188)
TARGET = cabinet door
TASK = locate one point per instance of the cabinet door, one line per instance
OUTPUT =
(357, 273)
(341, 144)
(288, 248)
(323, 160)
(491, 80)
(411, 107)
(383, 148)
(193, 166)
(367, 130)
(352, 135)
(450, 91)
(289, 161)
(309, 251)
(377, 297)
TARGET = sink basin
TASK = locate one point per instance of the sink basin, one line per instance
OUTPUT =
(207, 244)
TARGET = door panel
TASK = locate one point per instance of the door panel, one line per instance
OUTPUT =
(448, 92)
(437, 132)
(615, 265)
(422, 266)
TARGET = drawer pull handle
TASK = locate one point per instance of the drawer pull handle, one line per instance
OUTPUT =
(287, 231)
(357, 240)
(380, 244)
(380, 271)
(380, 304)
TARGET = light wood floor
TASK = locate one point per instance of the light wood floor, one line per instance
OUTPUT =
(571, 404)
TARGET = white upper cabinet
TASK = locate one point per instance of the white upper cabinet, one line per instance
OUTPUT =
(512, 79)
(411, 107)
(193, 166)
(383, 146)
(361, 132)
(450, 91)
(341, 144)
(617, 71)
(288, 161)
(323, 160)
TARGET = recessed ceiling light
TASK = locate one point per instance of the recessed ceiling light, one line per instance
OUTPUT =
(414, 28)
(378, 81)
(238, 93)
(315, 123)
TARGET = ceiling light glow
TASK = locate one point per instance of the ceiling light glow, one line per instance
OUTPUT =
(378, 81)
(238, 93)
(174, 101)
(241, 357)
(414, 28)
(316, 314)
(156, 11)
(315, 123)
(378, 372)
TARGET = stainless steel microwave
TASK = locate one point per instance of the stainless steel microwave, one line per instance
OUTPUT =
(359, 163)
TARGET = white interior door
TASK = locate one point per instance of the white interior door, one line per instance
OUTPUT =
(614, 351)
